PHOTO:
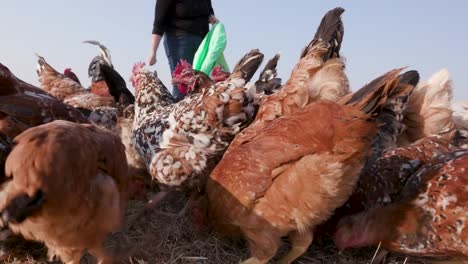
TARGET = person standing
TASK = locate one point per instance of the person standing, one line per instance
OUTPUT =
(184, 23)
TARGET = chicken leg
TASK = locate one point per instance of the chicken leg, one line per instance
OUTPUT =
(263, 246)
(300, 243)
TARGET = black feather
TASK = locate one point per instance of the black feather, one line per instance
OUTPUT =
(23, 206)
(117, 86)
(330, 31)
(248, 65)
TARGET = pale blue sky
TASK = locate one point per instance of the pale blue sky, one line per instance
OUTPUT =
(379, 35)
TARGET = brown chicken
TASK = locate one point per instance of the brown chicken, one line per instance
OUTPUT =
(22, 106)
(319, 74)
(67, 188)
(428, 219)
(298, 169)
(67, 90)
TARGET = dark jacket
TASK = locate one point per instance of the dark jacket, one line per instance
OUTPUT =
(181, 17)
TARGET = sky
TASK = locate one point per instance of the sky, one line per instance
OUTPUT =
(379, 35)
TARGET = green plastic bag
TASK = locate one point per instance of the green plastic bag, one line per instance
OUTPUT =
(210, 52)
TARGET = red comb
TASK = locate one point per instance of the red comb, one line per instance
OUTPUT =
(183, 64)
(218, 75)
(138, 66)
(216, 70)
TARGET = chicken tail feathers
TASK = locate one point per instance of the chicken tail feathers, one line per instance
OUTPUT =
(105, 52)
(42, 65)
(429, 108)
(385, 98)
(330, 32)
(247, 66)
(21, 207)
(117, 86)
(390, 117)
(7, 82)
(268, 83)
(370, 98)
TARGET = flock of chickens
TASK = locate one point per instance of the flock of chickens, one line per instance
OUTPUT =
(385, 165)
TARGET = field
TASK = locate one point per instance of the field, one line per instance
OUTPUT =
(162, 237)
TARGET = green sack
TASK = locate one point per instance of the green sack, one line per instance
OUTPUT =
(210, 52)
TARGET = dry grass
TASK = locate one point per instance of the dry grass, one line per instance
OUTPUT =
(161, 237)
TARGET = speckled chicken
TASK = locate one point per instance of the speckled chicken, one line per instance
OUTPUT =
(299, 168)
(23, 105)
(73, 213)
(428, 120)
(181, 142)
(319, 74)
(428, 218)
(67, 90)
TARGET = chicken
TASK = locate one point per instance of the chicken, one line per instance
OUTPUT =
(428, 112)
(67, 90)
(181, 142)
(70, 74)
(101, 69)
(98, 82)
(107, 117)
(73, 213)
(268, 83)
(428, 218)
(319, 74)
(184, 72)
(192, 81)
(427, 120)
(300, 167)
(381, 182)
(23, 105)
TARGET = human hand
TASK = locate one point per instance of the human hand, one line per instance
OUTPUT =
(213, 20)
(151, 60)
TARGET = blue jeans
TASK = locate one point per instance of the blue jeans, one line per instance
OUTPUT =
(180, 47)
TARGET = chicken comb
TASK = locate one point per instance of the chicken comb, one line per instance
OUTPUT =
(216, 70)
(182, 65)
(139, 65)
